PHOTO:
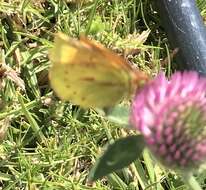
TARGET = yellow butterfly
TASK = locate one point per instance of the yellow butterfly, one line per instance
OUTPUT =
(90, 75)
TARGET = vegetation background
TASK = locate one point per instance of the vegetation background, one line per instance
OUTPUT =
(49, 144)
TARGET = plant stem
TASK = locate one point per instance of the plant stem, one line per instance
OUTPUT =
(32, 121)
(91, 16)
(190, 181)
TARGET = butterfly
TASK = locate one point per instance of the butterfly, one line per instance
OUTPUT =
(88, 74)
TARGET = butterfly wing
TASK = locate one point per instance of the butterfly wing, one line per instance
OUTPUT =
(88, 74)
(136, 77)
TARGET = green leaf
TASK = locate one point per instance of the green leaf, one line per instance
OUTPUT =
(119, 114)
(97, 26)
(118, 155)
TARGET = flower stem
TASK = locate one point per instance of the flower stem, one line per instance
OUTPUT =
(190, 181)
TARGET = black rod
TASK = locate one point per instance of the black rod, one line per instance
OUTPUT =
(186, 31)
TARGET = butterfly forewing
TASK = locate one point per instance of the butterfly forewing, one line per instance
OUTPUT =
(88, 74)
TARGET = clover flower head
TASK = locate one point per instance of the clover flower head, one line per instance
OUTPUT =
(171, 115)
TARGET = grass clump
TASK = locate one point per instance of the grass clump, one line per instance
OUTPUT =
(49, 144)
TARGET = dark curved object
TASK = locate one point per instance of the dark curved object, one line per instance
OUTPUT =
(186, 31)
